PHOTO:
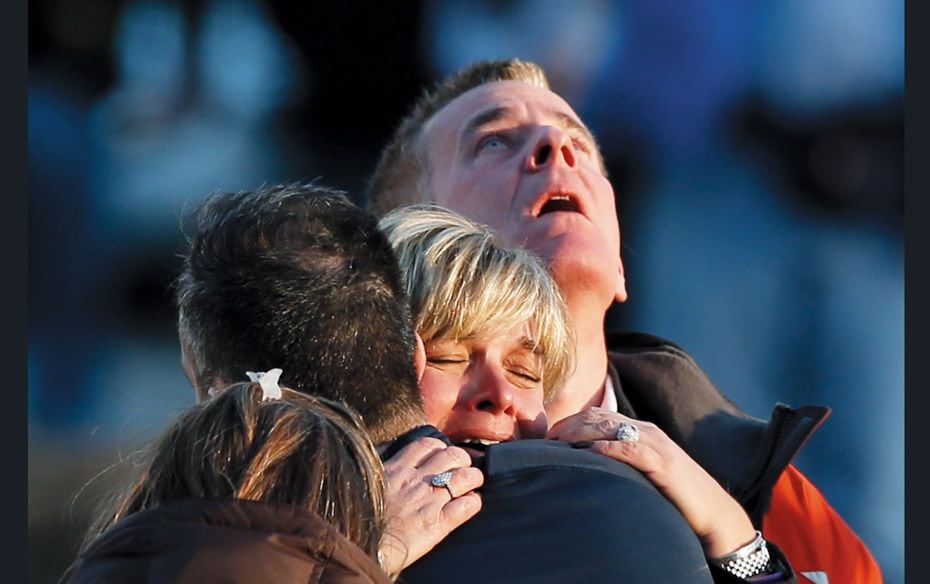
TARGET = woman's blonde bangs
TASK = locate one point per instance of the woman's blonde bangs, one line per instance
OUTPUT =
(464, 281)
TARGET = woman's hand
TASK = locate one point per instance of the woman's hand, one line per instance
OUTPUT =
(419, 514)
(716, 517)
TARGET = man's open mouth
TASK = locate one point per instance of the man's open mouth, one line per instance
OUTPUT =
(557, 203)
(557, 200)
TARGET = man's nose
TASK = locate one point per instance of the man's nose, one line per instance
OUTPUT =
(551, 146)
(493, 392)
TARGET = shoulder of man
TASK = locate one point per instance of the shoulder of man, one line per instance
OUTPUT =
(535, 458)
(663, 384)
(658, 377)
(632, 341)
(552, 513)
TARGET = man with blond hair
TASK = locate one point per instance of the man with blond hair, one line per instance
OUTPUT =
(495, 143)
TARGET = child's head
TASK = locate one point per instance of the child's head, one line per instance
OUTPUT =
(297, 449)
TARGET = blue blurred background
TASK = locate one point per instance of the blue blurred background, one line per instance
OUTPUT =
(756, 148)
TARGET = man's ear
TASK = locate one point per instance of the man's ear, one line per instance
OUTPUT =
(620, 294)
(419, 355)
(187, 363)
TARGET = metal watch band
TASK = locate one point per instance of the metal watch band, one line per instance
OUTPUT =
(750, 560)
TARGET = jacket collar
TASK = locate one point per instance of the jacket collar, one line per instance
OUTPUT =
(656, 380)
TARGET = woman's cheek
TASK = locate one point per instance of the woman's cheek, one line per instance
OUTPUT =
(438, 397)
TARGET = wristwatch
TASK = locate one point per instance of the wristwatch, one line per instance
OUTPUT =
(750, 560)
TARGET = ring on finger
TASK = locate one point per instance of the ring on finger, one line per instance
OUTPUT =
(442, 480)
(627, 432)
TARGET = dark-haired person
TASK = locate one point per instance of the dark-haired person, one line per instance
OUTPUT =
(258, 483)
(298, 277)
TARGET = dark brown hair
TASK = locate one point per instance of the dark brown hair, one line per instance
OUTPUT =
(298, 449)
(297, 276)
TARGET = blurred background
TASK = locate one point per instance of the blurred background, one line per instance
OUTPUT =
(756, 149)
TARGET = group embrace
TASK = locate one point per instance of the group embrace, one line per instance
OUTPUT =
(424, 390)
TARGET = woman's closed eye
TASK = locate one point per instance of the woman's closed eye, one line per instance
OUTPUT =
(526, 374)
(446, 359)
(525, 366)
(451, 363)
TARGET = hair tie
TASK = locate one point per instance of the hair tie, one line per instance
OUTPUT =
(268, 380)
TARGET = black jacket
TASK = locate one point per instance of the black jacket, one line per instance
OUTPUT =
(656, 380)
(224, 540)
(548, 515)
(553, 514)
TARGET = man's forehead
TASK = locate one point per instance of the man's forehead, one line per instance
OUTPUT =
(499, 100)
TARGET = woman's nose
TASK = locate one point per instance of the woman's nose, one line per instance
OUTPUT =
(492, 392)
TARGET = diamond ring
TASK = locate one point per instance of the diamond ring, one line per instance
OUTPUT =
(442, 480)
(627, 432)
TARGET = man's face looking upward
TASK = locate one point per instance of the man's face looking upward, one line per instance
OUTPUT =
(516, 157)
